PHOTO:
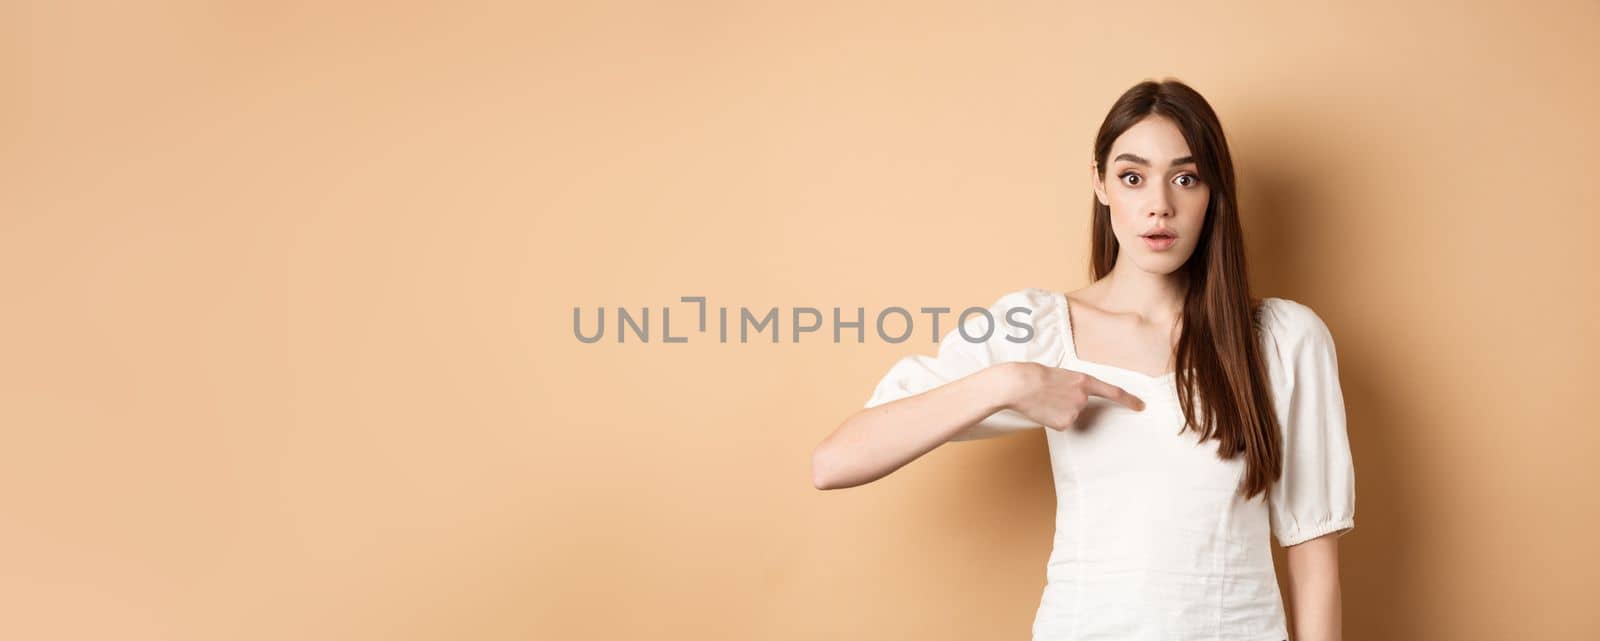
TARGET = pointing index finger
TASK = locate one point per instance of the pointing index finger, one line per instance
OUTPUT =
(1101, 388)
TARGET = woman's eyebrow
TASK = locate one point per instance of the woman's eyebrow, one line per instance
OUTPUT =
(1182, 160)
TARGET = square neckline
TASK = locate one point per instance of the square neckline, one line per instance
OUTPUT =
(1071, 353)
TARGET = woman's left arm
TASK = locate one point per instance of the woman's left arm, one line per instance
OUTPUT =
(1314, 589)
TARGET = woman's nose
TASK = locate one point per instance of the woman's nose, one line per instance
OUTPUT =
(1161, 206)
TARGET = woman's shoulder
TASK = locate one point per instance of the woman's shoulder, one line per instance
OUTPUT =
(1290, 323)
(1032, 320)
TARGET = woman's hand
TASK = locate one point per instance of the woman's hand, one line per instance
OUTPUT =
(1053, 397)
(876, 441)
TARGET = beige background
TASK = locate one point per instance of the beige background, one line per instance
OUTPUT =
(289, 288)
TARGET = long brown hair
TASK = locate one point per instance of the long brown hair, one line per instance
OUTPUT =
(1220, 367)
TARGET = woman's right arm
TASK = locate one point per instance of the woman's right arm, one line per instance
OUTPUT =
(876, 441)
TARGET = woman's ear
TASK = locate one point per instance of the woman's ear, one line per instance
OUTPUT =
(1097, 184)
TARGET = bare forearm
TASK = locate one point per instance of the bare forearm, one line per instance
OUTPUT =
(876, 441)
(1314, 590)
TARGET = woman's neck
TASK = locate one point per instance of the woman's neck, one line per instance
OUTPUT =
(1130, 290)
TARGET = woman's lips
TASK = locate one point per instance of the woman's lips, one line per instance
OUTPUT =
(1158, 243)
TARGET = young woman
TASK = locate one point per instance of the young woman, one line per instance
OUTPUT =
(1189, 423)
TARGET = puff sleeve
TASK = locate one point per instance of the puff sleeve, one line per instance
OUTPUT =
(1316, 494)
(1025, 327)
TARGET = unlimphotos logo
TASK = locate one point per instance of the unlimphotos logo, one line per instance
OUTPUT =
(893, 324)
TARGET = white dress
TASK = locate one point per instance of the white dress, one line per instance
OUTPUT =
(1152, 542)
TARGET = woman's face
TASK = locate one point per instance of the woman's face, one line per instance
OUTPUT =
(1152, 185)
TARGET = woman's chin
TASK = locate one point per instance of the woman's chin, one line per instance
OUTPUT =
(1162, 264)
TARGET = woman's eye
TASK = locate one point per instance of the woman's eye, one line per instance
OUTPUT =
(1130, 176)
(1193, 180)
